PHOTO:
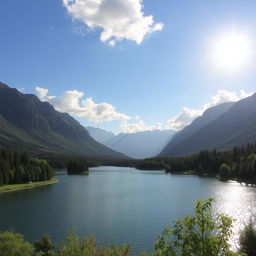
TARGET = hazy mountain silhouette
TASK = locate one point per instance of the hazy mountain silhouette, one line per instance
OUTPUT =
(137, 145)
(100, 135)
(221, 127)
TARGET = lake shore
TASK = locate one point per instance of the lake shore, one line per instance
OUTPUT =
(15, 187)
(246, 182)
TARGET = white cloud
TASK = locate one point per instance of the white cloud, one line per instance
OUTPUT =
(42, 92)
(138, 126)
(187, 115)
(72, 102)
(117, 19)
(224, 96)
(244, 94)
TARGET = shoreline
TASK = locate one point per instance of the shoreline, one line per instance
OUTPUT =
(244, 182)
(16, 187)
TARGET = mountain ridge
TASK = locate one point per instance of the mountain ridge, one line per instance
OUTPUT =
(208, 116)
(42, 129)
(138, 145)
(234, 127)
(99, 134)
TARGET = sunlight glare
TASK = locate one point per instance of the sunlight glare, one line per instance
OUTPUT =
(232, 51)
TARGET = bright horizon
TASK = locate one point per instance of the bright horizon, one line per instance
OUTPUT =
(130, 65)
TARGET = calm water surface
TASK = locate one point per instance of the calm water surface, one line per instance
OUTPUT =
(119, 205)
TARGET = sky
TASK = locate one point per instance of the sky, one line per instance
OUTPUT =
(130, 65)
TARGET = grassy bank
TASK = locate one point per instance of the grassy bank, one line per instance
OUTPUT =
(13, 187)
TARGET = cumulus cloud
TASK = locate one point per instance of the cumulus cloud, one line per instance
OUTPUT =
(42, 92)
(117, 19)
(138, 126)
(225, 96)
(187, 115)
(72, 102)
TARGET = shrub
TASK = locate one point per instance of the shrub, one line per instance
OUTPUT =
(44, 246)
(198, 235)
(13, 244)
(247, 240)
(78, 246)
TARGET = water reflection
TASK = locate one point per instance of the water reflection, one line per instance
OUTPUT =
(239, 202)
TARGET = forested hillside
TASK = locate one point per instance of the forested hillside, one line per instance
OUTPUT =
(17, 168)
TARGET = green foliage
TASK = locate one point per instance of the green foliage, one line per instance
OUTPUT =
(18, 168)
(44, 246)
(78, 246)
(225, 172)
(237, 163)
(13, 244)
(247, 240)
(198, 235)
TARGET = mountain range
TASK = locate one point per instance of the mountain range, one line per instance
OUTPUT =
(221, 127)
(100, 135)
(136, 145)
(27, 124)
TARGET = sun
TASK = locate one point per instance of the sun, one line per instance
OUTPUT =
(232, 51)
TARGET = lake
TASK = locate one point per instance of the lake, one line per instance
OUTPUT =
(119, 205)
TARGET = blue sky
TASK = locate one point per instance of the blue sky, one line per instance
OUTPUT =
(145, 79)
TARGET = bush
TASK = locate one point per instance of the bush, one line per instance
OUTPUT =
(78, 246)
(44, 246)
(13, 244)
(247, 240)
(199, 235)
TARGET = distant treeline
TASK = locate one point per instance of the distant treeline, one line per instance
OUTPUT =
(145, 164)
(77, 166)
(16, 168)
(62, 161)
(239, 163)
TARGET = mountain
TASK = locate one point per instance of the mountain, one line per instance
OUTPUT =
(30, 125)
(141, 144)
(100, 135)
(230, 124)
(208, 116)
(137, 145)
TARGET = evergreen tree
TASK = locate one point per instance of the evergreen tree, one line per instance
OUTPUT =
(44, 246)
(19, 168)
